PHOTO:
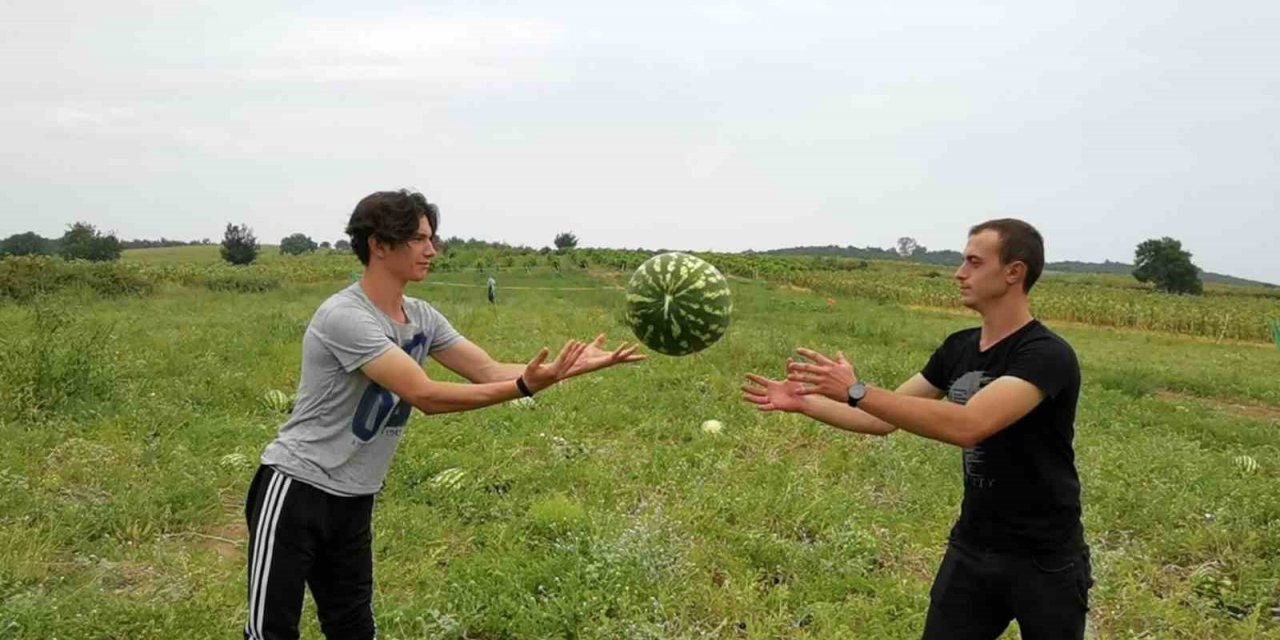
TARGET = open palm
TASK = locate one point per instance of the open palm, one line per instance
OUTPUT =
(596, 356)
(773, 395)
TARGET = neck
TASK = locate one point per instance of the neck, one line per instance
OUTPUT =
(1004, 317)
(384, 290)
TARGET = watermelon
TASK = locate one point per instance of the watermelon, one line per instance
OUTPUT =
(678, 304)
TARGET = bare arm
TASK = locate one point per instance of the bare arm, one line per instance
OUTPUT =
(400, 374)
(1000, 404)
(842, 416)
(787, 395)
(470, 361)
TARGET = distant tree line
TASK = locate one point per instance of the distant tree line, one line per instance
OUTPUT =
(1162, 262)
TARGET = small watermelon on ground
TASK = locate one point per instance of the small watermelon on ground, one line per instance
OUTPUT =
(678, 304)
(277, 400)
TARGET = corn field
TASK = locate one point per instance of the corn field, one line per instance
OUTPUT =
(1220, 316)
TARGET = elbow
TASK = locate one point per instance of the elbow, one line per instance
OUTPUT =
(425, 400)
(491, 373)
(972, 435)
(429, 408)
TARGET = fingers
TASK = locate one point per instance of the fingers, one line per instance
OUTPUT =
(762, 381)
(804, 377)
(624, 351)
(575, 352)
(539, 359)
(568, 355)
(578, 353)
(840, 358)
(564, 352)
(814, 356)
(805, 367)
(599, 341)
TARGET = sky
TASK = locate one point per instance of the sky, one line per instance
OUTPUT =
(693, 125)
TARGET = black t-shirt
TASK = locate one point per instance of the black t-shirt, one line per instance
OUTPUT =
(1021, 489)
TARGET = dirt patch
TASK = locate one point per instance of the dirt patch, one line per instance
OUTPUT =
(1252, 411)
(226, 540)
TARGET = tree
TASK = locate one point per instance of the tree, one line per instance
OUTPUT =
(907, 246)
(566, 240)
(325, 245)
(297, 244)
(342, 245)
(83, 242)
(26, 244)
(1166, 264)
(238, 244)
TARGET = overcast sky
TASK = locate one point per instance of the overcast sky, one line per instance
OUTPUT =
(706, 126)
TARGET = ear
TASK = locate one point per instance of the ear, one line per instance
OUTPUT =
(1015, 273)
(376, 248)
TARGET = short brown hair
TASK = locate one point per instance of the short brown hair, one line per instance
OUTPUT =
(1019, 242)
(391, 217)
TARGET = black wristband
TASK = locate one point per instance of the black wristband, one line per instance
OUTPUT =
(524, 388)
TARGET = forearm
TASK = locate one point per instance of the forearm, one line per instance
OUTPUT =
(842, 416)
(500, 372)
(449, 397)
(935, 419)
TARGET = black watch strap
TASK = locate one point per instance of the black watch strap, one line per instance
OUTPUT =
(524, 388)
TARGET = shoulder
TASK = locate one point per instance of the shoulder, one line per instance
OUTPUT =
(342, 307)
(1046, 337)
(961, 338)
(422, 312)
(1045, 342)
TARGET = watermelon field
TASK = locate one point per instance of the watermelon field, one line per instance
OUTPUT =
(135, 398)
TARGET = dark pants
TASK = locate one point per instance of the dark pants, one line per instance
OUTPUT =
(301, 536)
(977, 593)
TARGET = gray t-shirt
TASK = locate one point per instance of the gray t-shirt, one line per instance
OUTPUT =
(345, 428)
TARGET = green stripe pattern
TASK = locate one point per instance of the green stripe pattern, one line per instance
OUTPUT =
(678, 304)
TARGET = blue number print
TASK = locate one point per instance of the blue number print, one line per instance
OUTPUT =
(378, 408)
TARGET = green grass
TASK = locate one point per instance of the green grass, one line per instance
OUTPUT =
(132, 426)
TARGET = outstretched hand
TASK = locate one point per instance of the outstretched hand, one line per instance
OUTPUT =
(773, 395)
(822, 375)
(595, 357)
(539, 375)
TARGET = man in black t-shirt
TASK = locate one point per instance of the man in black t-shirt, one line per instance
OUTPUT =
(1010, 389)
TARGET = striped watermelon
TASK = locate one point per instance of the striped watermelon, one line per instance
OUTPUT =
(678, 304)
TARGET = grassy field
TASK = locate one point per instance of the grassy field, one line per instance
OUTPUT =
(132, 426)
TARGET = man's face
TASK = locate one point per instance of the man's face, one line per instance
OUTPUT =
(412, 260)
(982, 278)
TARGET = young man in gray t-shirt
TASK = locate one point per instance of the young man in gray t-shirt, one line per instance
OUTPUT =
(310, 505)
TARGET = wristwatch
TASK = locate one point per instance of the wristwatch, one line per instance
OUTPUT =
(857, 391)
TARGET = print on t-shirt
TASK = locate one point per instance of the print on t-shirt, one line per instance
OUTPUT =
(965, 387)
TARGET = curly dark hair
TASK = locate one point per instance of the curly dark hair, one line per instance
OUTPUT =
(391, 217)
